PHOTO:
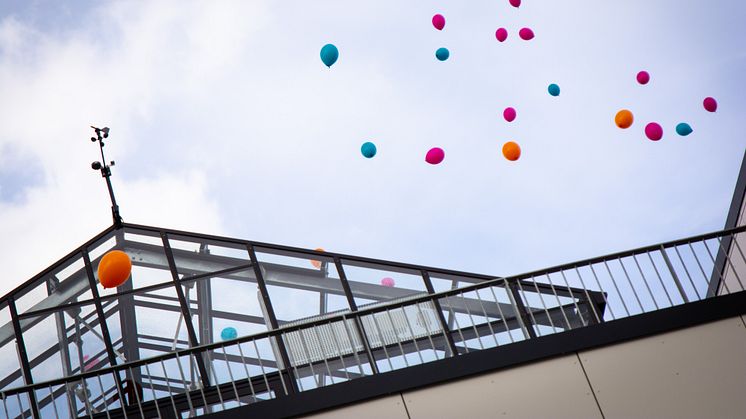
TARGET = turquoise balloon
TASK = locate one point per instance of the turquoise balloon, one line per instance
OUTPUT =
(442, 54)
(329, 54)
(553, 89)
(368, 149)
(684, 129)
(228, 333)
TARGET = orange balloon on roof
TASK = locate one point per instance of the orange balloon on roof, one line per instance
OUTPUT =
(317, 263)
(624, 119)
(511, 151)
(114, 269)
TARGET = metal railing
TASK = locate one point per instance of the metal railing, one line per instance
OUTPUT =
(417, 329)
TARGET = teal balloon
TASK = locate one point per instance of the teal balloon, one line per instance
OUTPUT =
(684, 129)
(442, 54)
(228, 333)
(553, 89)
(329, 54)
(368, 149)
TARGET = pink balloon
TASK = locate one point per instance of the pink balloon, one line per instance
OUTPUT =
(654, 131)
(87, 366)
(643, 77)
(435, 155)
(526, 34)
(509, 114)
(710, 104)
(515, 3)
(388, 282)
(439, 22)
(501, 34)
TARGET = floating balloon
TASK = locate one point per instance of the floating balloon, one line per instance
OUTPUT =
(511, 151)
(509, 114)
(442, 54)
(710, 104)
(317, 263)
(229, 333)
(329, 54)
(684, 129)
(515, 3)
(654, 131)
(643, 77)
(368, 149)
(501, 34)
(624, 119)
(89, 364)
(439, 22)
(388, 282)
(114, 269)
(526, 34)
(553, 89)
(435, 155)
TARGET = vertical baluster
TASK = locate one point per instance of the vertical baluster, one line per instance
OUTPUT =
(502, 315)
(644, 280)
(171, 393)
(686, 270)
(655, 268)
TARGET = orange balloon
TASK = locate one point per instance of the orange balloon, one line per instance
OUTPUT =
(511, 151)
(624, 119)
(114, 269)
(316, 263)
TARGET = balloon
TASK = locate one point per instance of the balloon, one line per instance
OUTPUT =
(435, 155)
(501, 34)
(654, 131)
(526, 34)
(684, 129)
(329, 54)
(439, 22)
(388, 282)
(229, 333)
(710, 104)
(511, 151)
(316, 263)
(442, 54)
(515, 3)
(643, 77)
(553, 89)
(89, 364)
(114, 269)
(368, 149)
(624, 119)
(509, 114)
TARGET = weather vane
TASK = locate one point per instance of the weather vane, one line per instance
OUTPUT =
(105, 169)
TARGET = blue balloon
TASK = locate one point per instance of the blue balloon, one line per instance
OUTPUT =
(228, 333)
(368, 149)
(684, 129)
(329, 54)
(442, 54)
(554, 90)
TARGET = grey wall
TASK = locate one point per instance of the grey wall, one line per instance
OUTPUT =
(690, 373)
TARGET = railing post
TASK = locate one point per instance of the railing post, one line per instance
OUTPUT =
(439, 310)
(673, 274)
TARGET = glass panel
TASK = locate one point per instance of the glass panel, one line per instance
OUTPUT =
(372, 283)
(301, 286)
(64, 342)
(67, 282)
(10, 364)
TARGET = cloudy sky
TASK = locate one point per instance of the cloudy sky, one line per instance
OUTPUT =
(224, 121)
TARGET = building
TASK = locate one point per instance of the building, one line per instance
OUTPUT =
(228, 328)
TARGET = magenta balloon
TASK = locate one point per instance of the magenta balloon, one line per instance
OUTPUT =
(643, 77)
(501, 34)
(710, 104)
(439, 22)
(388, 282)
(515, 3)
(654, 131)
(526, 34)
(509, 114)
(435, 155)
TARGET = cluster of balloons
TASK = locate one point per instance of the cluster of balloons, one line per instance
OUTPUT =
(653, 130)
(524, 33)
(114, 269)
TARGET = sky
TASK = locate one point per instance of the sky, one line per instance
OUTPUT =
(224, 121)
